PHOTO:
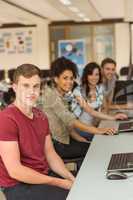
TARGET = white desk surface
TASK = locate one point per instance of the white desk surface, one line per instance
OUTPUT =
(91, 182)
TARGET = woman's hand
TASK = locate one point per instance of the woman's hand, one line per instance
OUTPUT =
(107, 131)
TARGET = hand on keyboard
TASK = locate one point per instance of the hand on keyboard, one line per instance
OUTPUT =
(107, 131)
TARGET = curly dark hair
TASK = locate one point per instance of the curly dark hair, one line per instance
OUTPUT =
(60, 65)
(88, 70)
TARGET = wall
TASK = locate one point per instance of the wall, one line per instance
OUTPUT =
(120, 40)
(122, 44)
(43, 45)
(99, 39)
(41, 52)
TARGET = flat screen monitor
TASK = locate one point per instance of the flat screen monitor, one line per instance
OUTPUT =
(123, 92)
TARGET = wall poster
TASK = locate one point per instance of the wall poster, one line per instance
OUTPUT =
(73, 50)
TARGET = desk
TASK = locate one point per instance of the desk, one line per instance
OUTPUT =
(91, 182)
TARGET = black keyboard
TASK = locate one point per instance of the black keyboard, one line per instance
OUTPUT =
(121, 162)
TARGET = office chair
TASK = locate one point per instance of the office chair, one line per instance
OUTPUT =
(10, 74)
(2, 196)
(124, 73)
(73, 164)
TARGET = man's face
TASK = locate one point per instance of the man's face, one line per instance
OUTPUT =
(109, 71)
(27, 90)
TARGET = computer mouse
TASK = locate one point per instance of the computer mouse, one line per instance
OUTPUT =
(116, 175)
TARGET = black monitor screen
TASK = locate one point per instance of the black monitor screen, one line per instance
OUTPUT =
(123, 92)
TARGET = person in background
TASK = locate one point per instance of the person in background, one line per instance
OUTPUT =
(67, 142)
(108, 67)
(26, 150)
(109, 77)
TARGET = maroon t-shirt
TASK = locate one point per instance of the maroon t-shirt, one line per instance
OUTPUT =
(30, 135)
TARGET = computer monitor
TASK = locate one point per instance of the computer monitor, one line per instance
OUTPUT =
(123, 92)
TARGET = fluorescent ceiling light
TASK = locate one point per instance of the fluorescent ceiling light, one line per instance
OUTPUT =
(81, 15)
(74, 9)
(66, 2)
(86, 19)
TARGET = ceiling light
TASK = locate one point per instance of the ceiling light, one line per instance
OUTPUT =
(66, 2)
(74, 9)
(86, 19)
(81, 15)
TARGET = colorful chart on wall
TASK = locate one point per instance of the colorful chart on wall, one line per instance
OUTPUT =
(17, 42)
(73, 50)
(17, 46)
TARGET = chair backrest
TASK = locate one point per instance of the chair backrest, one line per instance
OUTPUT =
(124, 71)
(73, 164)
(127, 72)
(2, 196)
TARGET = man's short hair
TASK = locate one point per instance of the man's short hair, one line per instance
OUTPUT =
(108, 61)
(26, 70)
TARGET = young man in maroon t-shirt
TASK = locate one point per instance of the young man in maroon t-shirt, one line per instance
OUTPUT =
(26, 150)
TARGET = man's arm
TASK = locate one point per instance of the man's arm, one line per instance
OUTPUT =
(55, 162)
(121, 106)
(10, 154)
(109, 105)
